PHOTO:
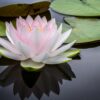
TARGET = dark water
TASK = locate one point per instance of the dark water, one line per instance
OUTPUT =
(76, 80)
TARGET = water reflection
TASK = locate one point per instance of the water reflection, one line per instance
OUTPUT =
(38, 83)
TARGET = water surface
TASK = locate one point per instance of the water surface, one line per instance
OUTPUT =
(77, 80)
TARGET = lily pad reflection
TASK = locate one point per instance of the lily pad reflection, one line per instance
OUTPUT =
(38, 83)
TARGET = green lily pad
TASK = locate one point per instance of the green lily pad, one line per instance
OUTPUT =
(2, 28)
(84, 30)
(16, 10)
(77, 7)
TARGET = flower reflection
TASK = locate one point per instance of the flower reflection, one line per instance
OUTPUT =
(41, 82)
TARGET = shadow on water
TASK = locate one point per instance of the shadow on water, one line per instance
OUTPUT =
(41, 82)
(87, 45)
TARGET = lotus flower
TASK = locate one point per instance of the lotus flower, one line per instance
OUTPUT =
(35, 42)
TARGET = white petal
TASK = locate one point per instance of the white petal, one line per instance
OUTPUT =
(11, 55)
(57, 60)
(22, 42)
(62, 49)
(8, 33)
(22, 26)
(38, 18)
(25, 50)
(40, 58)
(60, 29)
(31, 65)
(11, 32)
(29, 20)
(62, 39)
(44, 20)
(15, 40)
(52, 21)
(44, 46)
(52, 26)
(9, 46)
(43, 53)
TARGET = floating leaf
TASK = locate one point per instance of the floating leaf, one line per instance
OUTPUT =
(84, 30)
(2, 28)
(16, 10)
(77, 7)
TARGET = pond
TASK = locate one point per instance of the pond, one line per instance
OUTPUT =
(76, 80)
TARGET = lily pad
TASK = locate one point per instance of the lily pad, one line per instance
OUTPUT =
(2, 28)
(15, 10)
(84, 30)
(77, 7)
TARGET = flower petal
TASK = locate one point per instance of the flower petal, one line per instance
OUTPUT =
(62, 49)
(61, 39)
(52, 26)
(10, 32)
(9, 46)
(57, 60)
(21, 41)
(11, 55)
(38, 18)
(40, 23)
(43, 50)
(26, 50)
(44, 20)
(31, 65)
(60, 29)
(40, 58)
(22, 26)
(71, 53)
(46, 39)
(29, 20)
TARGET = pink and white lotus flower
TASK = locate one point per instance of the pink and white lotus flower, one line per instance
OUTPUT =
(35, 42)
